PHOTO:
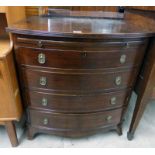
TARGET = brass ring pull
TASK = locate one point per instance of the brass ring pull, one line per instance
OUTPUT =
(118, 80)
(41, 58)
(109, 118)
(123, 59)
(45, 121)
(44, 102)
(43, 81)
(113, 100)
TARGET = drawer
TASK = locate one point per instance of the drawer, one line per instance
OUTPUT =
(79, 44)
(73, 81)
(73, 59)
(60, 121)
(76, 103)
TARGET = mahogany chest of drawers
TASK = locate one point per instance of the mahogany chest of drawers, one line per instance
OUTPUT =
(75, 79)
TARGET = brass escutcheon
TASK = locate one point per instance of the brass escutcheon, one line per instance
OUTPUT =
(41, 58)
(118, 80)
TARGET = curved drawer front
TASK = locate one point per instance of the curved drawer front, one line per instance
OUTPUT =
(74, 121)
(69, 59)
(80, 44)
(76, 103)
(64, 81)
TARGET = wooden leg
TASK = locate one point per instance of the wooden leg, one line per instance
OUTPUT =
(31, 133)
(119, 129)
(10, 127)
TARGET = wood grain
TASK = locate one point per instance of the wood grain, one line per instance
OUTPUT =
(78, 76)
(83, 57)
(11, 108)
(76, 103)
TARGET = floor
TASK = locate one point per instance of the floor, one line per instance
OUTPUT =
(144, 136)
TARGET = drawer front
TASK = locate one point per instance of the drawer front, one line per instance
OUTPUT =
(70, 59)
(74, 121)
(76, 103)
(79, 44)
(63, 81)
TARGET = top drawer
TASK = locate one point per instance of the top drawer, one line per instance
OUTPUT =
(103, 55)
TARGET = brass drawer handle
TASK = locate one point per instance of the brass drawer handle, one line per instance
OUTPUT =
(41, 58)
(118, 80)
(45, 121)
(43, 81)
(113, 101)
(109, 118)
(123, 59)
(44, 102)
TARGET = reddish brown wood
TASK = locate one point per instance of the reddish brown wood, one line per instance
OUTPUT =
(76, 82)
(83, 62)
(85, 57)
(73, 122)
(86, 27)
(34, 131)
(79, 43)
(76, 103)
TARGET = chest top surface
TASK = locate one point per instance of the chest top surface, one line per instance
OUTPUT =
(81, 26)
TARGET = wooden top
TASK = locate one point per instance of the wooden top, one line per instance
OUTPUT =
(5, 47)
(69, 26)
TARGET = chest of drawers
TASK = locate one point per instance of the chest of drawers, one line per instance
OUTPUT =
(73, 88)
(75, 84)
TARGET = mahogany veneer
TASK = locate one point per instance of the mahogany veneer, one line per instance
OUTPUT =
(77, 74)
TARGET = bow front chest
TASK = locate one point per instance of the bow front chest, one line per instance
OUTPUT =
(76, 74)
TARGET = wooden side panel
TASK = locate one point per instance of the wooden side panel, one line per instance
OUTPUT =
(10, 105)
